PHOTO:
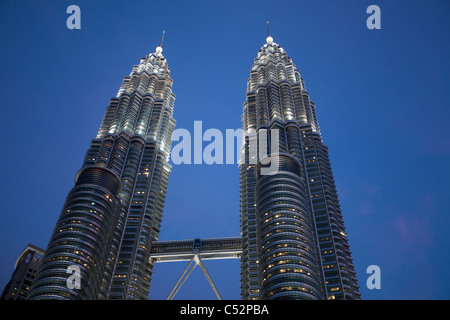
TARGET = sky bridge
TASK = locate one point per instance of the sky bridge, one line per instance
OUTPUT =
(194, 251)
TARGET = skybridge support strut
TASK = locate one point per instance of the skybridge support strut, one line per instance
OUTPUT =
(195, 251)
(187, 271)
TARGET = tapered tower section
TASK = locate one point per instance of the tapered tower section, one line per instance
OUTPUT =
(294, 242)
(114, 212)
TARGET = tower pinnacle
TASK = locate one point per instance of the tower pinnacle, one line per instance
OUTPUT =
(269, 39)
(159, 48)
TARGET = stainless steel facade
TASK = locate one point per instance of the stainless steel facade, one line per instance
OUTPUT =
(114, 211)
(82, 238)
(294, 241)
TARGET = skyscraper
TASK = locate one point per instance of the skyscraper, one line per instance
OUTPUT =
(294, 241)
(113, 212)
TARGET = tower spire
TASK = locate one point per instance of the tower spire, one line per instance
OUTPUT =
(269, 39)
(159, 48)
(162, 38)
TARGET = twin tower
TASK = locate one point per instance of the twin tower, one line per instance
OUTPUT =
(293, 241)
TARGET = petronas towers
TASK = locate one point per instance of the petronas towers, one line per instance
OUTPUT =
(294, 243)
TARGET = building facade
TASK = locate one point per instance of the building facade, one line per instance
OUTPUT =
(113, 213)
(24, 275)
(294, 241)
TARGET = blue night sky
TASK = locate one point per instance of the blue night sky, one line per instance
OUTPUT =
(382, 101)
